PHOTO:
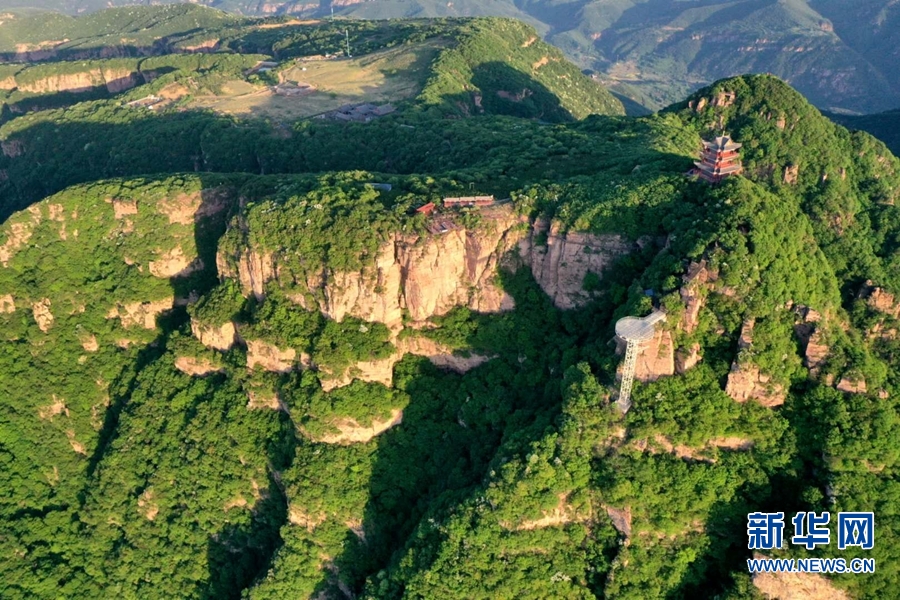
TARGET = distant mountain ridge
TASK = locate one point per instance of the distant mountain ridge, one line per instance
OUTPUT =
(838, 54)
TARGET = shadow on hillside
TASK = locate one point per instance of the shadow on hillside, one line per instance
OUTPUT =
(711, 574)
(239, 554)
(508, 91)
(216, 206)
(459, 427)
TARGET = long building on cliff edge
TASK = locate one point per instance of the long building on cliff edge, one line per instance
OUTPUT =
(718, 159)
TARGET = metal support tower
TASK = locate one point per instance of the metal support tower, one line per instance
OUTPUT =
(631, 352)
(635, 331)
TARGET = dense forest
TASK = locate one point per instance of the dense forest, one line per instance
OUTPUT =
(237, 362)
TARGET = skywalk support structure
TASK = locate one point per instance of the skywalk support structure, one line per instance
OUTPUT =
(635, 332)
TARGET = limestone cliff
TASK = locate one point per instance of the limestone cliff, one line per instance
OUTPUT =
(414, 277)
(219, 338)
(428, 275)
(561, 265)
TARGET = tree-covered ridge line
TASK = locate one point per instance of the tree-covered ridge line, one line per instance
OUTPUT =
(507, 67)
(500, 66)
(885, 126)
(515, 479)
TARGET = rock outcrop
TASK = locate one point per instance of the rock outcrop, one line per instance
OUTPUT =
(196, 367)
(89, 342)
(692, 294)
(19, 233)
(687, 359)
(174, 263)
(883, 301)
(220, 338)
(352, 432)
(382, 370)
(851, 385)
(816, 352)
(656, 358)
(271, 358)
(374, 371)
(745, 382)
(42, 315)
(440, 355)
(7, 304)
(621, 520)
(185, 209)
(141, 314)
(799, 586)
(252, 268)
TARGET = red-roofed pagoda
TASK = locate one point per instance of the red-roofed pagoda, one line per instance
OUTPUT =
(719, 159)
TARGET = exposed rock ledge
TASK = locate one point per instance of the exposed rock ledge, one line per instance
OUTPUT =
(351, 432)
(42, 315)
(882, 301)
(745, 382)
(142, 314)
(382, 371)
(271, 358)
(196, 367)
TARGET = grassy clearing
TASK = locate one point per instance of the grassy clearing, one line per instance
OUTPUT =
(387, 76)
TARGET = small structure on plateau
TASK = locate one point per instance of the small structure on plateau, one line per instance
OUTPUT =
(635, 331)
(718, 159)
(426, 209)
(468, 201)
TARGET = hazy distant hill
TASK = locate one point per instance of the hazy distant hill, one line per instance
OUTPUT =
(839, 54)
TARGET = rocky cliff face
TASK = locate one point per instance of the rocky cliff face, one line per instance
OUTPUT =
(114, 80)
(429, 275)
(656, 358)
(423, 276)
(560, 265)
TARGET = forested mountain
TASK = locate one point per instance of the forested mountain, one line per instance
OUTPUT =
(885, 126)
(841, 55)
(237, 361)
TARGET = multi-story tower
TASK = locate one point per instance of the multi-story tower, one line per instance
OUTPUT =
(719, 159)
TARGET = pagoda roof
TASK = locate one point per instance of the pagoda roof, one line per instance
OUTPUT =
(722, 143)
